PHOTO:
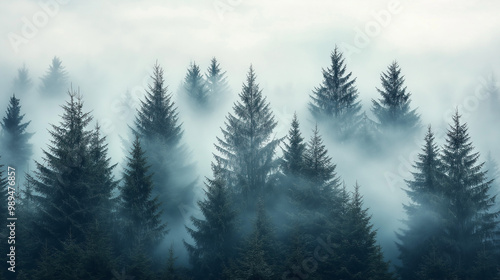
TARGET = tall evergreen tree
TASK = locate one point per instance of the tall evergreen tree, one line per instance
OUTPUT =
(425, 220)
(23, 82)
(292, 163)
(216, 82)
(247, 149)
(55, 80)
(393, 108)
(469, 221)
(257, 258)
(336, 99)
(215, 235)
(360, 256)
(140, 211)
(62, 191)
(196, 87)
(14, 140)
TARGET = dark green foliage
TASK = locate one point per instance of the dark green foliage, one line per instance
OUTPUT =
(140, 211)
(195, 86)
(22, 83)
(292, 163)
(158, 127)
(14, 140)
(55, 81)
(257, 260)
(335, 101)
(215, 235)
(393, 108)
(216, 82)
(469, 222)
(247, 149)
(434, 266)
(424, 223)
(63, 193)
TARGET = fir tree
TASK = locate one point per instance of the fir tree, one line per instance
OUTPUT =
(393, 108)
(424, 222)
(22, 83)
(158, 126)
(216, 82)
(62, 192)
(55, 81)
(141, 211)
(215, 235)
(257, 259)
(247, 149)
(14, 139)
(469, 222)
(195, 86)
(292, 163)
(336, 99)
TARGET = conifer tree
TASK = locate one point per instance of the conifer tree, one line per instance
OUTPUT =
(336, 99)
(14, 139)
(246, 150)
(293, 153)
(257, 260)
(469, 221)
(55, 80)
(140, 210)
(215, 235)
(216, 82)
(393, 108)
(424, 222)
(158, 126)
(62, 192)
(23, 82)
(195, 86)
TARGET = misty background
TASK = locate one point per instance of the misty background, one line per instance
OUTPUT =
(447, 51)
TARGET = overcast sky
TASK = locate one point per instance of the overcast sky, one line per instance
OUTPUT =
(444, 48)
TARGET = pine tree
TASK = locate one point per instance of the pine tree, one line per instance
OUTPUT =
(257, 260)
(469, 221)
(358, 254)
(424, 222)
(62, 192)
(216, 82)
(140, 211)
(247, 149)
(292, 163)
(336, 99)
(195, 86)
(215, 235)
(14, 139)
(23, 82)
(393, 108)
(158, 126)
(55, 81)
(493, 173)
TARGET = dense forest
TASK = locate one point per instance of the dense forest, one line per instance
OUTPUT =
(274, 207)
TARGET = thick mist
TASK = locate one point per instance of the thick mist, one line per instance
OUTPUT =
(447, 53)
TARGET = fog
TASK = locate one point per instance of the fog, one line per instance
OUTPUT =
(447, 50)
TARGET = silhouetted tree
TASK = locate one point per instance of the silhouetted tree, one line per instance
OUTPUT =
(14, 140)
(425, 212)
(195, 86)
(292, 163)
(216, 82)
(247, 149)
(393, 108)
(23, 82)
(55, 80)
(335, 101)
(140, 210)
